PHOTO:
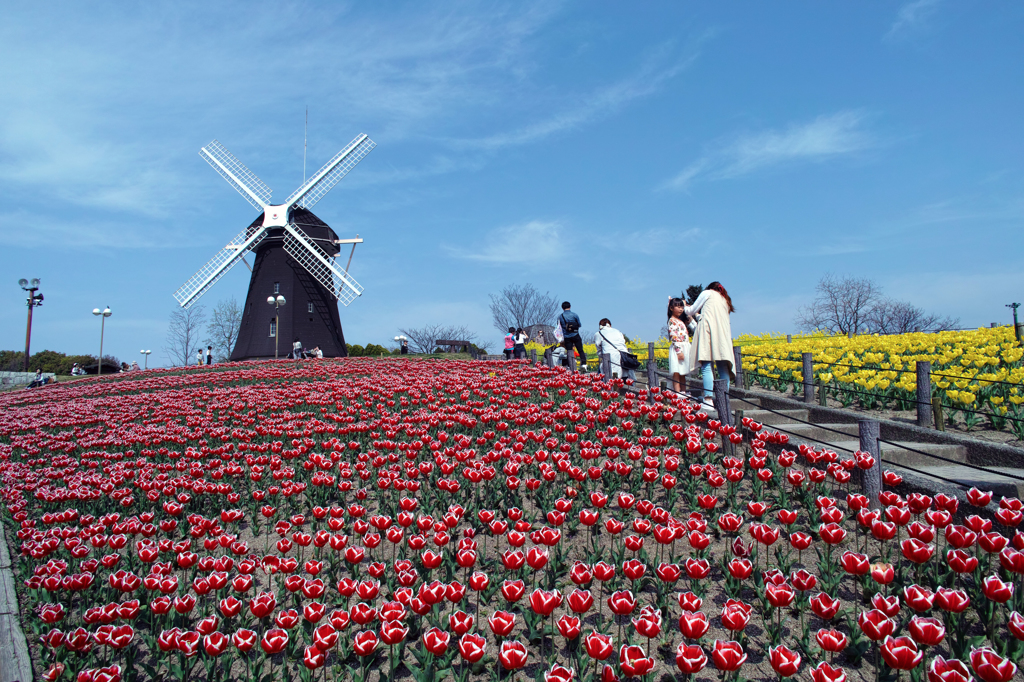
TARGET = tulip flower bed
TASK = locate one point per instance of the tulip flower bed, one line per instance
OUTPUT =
(425, 520)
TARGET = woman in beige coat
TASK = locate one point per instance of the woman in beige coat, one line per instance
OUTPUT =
(712, 341)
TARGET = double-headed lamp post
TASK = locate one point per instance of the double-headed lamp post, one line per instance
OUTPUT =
(103, 315)
(403, 344)
(34, 300)
(277, 302)
(145, 355)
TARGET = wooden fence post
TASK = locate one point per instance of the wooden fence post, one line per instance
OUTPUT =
(924, 393)
(572, 361)
(871, 479)
(808, 371)
(737, 355)
(533, 356)
(606, 365)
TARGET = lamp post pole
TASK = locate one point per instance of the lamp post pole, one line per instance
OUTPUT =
(277, 302)
(145, 355)
(34, 300)
(103, 315)
(1016, 326)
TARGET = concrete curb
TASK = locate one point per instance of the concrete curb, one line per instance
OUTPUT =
(15, 663)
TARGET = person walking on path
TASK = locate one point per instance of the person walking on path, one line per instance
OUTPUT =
(510, 342)
(209, 355)
(679, 352)
(612, 342)
(570, 325)
(519, 350)
(712, 341)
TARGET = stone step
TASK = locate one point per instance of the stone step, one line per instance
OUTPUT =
(771, 417)
(984, 480)
(820, 433)
(896, 454)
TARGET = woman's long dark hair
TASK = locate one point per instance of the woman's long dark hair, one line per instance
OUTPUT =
(676, 303)
(717, 286)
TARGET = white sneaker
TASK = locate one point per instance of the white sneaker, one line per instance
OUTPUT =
(709, 402)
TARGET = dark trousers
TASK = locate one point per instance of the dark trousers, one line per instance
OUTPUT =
(209, 359)
(575, 342)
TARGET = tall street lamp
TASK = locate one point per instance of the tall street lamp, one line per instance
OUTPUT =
(145, 354)
(34, 300)
(103, 315)
(277, 302)
(403, 344)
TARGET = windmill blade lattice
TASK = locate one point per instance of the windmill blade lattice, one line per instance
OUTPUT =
(320, 265)
(321, 182)
(255, 191)
(219, 265)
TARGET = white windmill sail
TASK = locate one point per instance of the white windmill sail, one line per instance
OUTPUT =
(296, 243)
(320, 265)
(321, 182)
(219, 265)
(238, 176)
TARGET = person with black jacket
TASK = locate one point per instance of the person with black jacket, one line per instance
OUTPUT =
(570, 325)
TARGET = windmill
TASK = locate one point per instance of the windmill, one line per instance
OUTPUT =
(295, 256)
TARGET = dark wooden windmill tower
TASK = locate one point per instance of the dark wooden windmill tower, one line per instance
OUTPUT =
(294, 257)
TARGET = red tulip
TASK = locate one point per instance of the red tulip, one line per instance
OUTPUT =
(513, 590)
(996, 590)
(831, 640)
(365, 643)
(690, 658)
(436, 641)
(472, 647)
(502, 623)
(460, 623)
(823, 672)
(599, 647)
(855, 564)
(901, 653)
(543, 603)
(512, 655)
(824, 606)
(779, 596)
(559, 674)
(622, 603)
(633, 661)
(916, 550)
(927, 631)
(1016, 625)
(991, 667)
(784, 661)
(728, 656)
(960, 561)
(918, 598)
(274, 641)
(569, 627)
(890, 605)
(215, 643)
(952, 670)
(735, 615)
(875, 625)
(244, 640)
(313, 658)
(693, 625)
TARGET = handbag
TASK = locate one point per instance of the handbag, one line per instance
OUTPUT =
(570, 327)
(627, 361)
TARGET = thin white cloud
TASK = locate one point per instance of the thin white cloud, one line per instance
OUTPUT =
(912, 16)
(661, 67)
(532, 243)
(824, 138)
(648, 242)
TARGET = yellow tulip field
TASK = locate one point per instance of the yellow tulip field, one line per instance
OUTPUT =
(976, 374)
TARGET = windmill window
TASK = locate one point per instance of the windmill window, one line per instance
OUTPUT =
(310, 307)
(273, 328)
(277, 287)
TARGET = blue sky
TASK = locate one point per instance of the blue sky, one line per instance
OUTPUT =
(609, 153)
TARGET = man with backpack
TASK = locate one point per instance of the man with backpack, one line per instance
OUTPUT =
(569, 322)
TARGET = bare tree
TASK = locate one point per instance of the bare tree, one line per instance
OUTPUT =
(423, 339)
(183, 332)
(888, 316)
(521, 305)
(840, 305)
(223, 328)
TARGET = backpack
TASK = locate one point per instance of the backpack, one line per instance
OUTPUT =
(570, 327)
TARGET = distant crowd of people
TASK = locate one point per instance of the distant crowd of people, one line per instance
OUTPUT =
(699, 332)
